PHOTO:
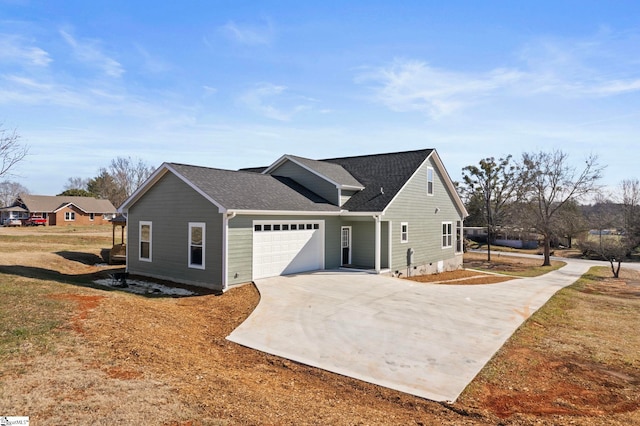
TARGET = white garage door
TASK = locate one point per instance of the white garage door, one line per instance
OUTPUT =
(281, 248)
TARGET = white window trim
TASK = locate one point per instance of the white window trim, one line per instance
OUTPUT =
(432, 181)
(92, 216)
(204, 243)
(140, 225)
(69, 216)
(450, 234)
(404, 235)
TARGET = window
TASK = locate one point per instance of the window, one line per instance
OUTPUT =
(196, 245)
(429, 181)
(459, 236)
(446, 234)
(404, 232)
(92, 216)
(69, 216)
(145, 241)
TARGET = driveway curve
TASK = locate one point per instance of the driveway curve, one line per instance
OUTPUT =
(423, 339)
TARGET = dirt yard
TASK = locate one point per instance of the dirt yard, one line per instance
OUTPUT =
(73, 354)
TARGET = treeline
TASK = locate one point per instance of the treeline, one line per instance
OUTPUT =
(544, 193)
(116, 182)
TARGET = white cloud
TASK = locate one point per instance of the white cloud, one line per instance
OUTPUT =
(151, 62)
(408, 85)
(209, 90)
(14, 48)
(600, 66)
(273, 102)
(88, 52)
(249, 35)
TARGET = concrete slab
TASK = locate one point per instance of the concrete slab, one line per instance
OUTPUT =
(422, 339)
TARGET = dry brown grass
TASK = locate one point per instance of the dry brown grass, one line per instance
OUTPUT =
(113, 357)
(460, 277)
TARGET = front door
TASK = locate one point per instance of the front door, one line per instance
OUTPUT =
(346, 245)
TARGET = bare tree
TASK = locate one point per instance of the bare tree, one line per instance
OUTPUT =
(630, 198)
(76, 183)
(9, 191)
(570, 222)
(549, 183)
(495, 183)
(128, 174)
(11, 151)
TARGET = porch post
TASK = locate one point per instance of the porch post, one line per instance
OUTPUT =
(377, 242)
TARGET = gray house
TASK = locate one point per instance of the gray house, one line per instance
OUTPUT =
(395, 213)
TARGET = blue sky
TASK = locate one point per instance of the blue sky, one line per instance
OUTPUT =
(233, 84)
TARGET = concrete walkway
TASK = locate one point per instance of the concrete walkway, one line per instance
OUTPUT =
(423, 339)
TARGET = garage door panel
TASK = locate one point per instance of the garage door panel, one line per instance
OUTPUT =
(287, 251)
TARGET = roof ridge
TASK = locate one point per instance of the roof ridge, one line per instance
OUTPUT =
(216, 168)
(379, 154)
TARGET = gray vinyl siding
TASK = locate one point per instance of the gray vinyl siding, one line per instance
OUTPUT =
(413, 206)
(240, 243)
(345, 195)
(170, 205)
(363, 243)
(309, 180)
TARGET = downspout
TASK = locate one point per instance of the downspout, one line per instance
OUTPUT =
(226, 217)
(377, 243)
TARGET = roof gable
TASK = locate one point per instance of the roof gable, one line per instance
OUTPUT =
(238, 190)
(331, 172)
(383, 176)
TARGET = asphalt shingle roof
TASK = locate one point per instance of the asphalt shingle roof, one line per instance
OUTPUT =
(240, 190)
(50, 203)
(388, 171)
(333, 171)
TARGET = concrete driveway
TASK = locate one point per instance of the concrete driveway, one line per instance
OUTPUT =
(423, 339)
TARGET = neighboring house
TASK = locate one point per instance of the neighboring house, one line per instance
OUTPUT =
(395, 213)
(60, 210)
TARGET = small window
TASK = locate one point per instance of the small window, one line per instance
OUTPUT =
(309, 226)
(429, 181)
(294, 227)
(92, 216)
(459, 236)
(145, 241)
(266, 228)
(316, 226)
(69, 216)
(196, 245)
(285, 227)
(404, 232)
(446, 234)
(276, 227)
(257, 228)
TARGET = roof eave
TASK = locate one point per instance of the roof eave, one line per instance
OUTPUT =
(286, 212)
